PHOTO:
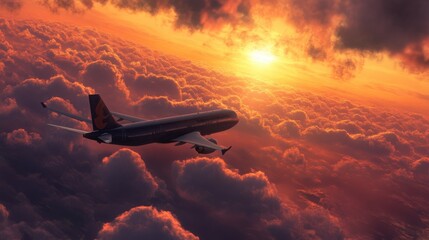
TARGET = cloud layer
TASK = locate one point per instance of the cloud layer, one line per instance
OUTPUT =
(304, 164)
(338, 33)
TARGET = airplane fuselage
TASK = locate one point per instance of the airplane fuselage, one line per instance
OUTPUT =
(164, 130)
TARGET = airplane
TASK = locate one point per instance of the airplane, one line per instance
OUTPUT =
(189, 128)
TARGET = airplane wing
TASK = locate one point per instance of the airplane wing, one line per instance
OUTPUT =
(66, 114)
(116, 114)
(68, 129)
(126, 117)
(197, 139)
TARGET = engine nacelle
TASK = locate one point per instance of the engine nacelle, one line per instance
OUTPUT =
(205, 150)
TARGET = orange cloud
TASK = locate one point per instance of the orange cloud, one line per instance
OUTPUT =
(142, 222)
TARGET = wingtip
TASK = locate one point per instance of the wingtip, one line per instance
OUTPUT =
(43, 104)
(226, 150)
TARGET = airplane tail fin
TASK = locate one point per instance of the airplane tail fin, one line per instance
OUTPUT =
(102, 119)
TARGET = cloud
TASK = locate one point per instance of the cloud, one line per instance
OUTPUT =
(11, 5)
(4, 213)
(421, 167)
(41, 90)
(349, 126)
(293, 156)
(399, 28)
(125, 177)
(298, 115)
(105, 78)
(145, 222)
(376, 144)
(247, 202)
(162, 106)
(384, 25)
(193, 15)
(21, 136)
(288, 128)
(213, 177)
(153, 85)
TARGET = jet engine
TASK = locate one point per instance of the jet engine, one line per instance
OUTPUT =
(205, 150)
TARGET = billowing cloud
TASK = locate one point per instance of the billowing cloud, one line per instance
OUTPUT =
(293, 156)
(20, 136)
(145, 222)
(105, 78)
(125, 177)
(289, 128)
(376, 144)
(247, 202)
(204, 181)
(153, 85)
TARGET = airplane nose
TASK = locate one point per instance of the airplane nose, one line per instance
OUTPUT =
(234, 115)
(231, 113)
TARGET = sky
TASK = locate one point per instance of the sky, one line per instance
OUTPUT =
(332, 96)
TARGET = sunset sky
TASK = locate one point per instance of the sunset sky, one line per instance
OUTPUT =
(305, 51)
(332, 96)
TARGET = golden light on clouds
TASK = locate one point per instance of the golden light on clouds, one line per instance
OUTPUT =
(262, 56)
(270, 50)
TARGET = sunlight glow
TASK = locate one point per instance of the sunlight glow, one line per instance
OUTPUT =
(262, 56)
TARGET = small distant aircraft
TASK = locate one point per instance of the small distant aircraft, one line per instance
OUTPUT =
(189, 128)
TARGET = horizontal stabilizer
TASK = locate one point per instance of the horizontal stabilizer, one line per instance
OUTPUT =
(68, 129)
(225, 150)
(66, 114)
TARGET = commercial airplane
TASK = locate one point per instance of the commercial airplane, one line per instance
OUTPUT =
(189, 128)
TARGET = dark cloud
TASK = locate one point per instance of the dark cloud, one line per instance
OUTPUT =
(421, 167)
(247, 202)
(194, 15)
(384, 25)
(349, 126)
(72, 5)
(399, 28)
(105, 78)
(11, 5)
(289, 128)
(153, 85)
(125, 177)
(145, 222)
(298, 115)
(213, 177)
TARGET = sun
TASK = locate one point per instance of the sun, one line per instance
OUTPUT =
(261, 56)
